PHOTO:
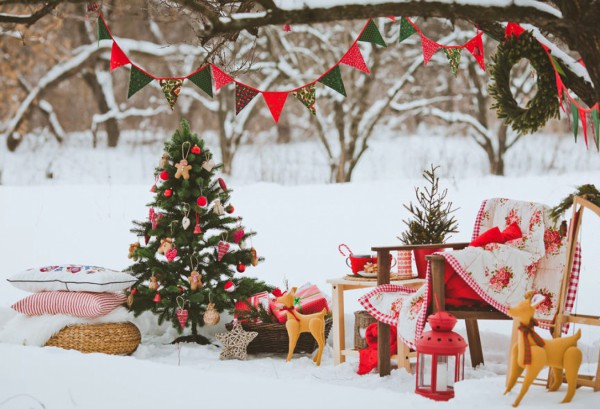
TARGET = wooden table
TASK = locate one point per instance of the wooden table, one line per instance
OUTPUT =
(338, 286)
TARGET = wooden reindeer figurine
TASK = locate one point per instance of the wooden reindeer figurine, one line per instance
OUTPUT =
(532, 353)
(298, 323)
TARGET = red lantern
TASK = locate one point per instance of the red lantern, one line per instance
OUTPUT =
(440, 358)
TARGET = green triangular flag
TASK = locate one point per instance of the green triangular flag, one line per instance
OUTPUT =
(333, 79)
(575, 124)
(406, 29)
(596, 129)
(306, 95)
(558, 67)
(453, 55)
(137, 80)
(203, 80)
(371, 34)
(102, 31)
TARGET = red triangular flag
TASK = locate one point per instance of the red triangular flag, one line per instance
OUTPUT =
(221, 79)
(117, 57)
(355, 59)
(475, 47)
(275, 102)
(392, 18)
(513, 29)
(429, 48)
(583, 119)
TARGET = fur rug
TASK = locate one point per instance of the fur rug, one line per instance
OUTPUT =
(26, 330)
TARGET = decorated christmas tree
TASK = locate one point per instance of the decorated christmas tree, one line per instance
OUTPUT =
(195, 247)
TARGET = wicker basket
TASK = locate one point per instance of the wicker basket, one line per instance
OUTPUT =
(116, 338)
(273, 338)
(362, 320)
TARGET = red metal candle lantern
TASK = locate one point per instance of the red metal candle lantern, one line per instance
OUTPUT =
(440, 358)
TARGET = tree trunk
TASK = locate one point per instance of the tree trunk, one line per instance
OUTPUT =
(224, 138)
(112, 126)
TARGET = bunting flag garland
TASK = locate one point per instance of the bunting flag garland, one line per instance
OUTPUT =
(406, 29)
(103, 33)
(513, 29)
(429, 48)
(138, 79)
(371, 34)
(117, 57)
(307, 96)
(275, 102)
(203, 80)
(333, 79)
(171, 88)
(475, 47)
(221, 79)
(583, 119)
(354, 59)
(453, 55)
(243, 96)
(596, 126)
(575, 113)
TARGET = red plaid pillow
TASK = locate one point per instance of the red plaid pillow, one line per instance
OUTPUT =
(78, 304)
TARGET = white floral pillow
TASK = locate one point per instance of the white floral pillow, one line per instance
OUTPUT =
(72, 278)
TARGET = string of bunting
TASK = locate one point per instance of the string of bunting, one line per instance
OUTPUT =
(209, 76)
(577, 114)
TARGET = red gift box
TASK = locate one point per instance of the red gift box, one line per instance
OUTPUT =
(241, 307)
(308, 300)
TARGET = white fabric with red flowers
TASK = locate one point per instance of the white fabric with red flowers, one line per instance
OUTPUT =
(500, 273)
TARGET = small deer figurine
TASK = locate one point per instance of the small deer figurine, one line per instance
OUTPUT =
(298, 323)
(532, 353)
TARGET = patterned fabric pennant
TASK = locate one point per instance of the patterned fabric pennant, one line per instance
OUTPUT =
(138, 79)
(171, 87)
(575, 124)
(222, 249)
(221, 79)
(595, 124)
(243, 96)
(371, 34)
(475, 47)
(203, 80)
(333, 79)
(355, 59)
(406, 29)
(102, 31)
(275, 102)
(583, 119)
(117, 57)
(513, 29)
(307, 95)
(429, 48)
(453, 55)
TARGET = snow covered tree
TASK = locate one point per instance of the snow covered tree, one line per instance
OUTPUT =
(194, 245)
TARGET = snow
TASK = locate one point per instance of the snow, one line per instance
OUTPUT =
(85, 213)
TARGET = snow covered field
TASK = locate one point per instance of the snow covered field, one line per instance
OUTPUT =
(83, 220)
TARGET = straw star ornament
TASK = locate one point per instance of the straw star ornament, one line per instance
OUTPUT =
(235, 342)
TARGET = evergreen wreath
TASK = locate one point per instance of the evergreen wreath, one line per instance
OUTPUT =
(544, 105)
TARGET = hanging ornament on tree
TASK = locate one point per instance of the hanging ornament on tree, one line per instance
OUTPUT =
(132, 248)
(146, 239)
(229, 209)
(241, 268)
(182, 313)
(130, 297)
(196, 150)
(197, 229)
(153, 284)
(238, 235)
(183, 168)
(229, 286)
(208, 165)
(287, 28)
(164, 161)
(222, 184)
(157, 298)
(211, 316)
(202, 200)
(153, 188)
(168, 193)
(185, 222)
(253, 257)
(222, 250)
(218, 208)
(171, 254)
(164, 175)
(166, 244)
(195, 280)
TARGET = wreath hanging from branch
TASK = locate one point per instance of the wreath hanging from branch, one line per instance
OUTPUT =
(544, 105)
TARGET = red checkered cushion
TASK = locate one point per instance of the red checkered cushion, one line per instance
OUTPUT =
(78, 304)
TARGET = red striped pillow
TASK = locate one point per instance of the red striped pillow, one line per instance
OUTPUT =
(78, 304)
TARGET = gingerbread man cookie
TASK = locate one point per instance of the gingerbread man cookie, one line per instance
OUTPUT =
(183, 169)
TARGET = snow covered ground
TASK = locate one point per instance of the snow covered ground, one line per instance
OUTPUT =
(77, 220)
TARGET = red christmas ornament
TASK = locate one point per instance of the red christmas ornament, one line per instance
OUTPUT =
(146, 239)
(287, 28)
(241, 268)
(181, 289)
(229, 209)
(196, 150)
(153, 188)
(171, 254)
(164, 175)
(222, 249)
(182, 317)
(222, 184)
(229, 286)
(197, 229)
(238, 235)
(133, 291)
(168, 193)
(202, 201)
(157, 297)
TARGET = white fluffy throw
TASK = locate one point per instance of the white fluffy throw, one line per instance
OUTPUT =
(37, 330)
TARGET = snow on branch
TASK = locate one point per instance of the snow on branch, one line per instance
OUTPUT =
(459, 117)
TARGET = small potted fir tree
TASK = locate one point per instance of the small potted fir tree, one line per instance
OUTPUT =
(431, 221)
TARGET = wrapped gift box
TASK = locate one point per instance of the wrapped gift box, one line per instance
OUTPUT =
(242, 308)
(309, 300)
